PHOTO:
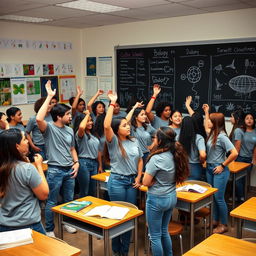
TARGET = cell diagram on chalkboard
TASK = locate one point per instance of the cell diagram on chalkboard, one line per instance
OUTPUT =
(192, 78)
(234, 82)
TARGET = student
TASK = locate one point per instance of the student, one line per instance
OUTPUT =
(96, 107)
(88, 153)
(37, 141)
(237, 119)
(217, 172)
(126, 167)
(175, 122)
(163, 110)
(14, 118)
(194, 144)
(21, 184)
(4, 125)
(63, 161)
(167, 165)
(245, 144)
(54, 101)
(117, 112)
(78, 105)
(142, 131)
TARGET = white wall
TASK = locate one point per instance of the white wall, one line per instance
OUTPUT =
(44, 33)
(213, 26)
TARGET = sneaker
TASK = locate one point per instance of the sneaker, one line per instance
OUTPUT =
(69, 229)
(50, 234)
(220, 229)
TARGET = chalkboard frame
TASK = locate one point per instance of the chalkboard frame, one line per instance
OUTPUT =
(173, 44)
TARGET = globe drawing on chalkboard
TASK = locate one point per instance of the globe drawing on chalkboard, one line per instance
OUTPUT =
(194, 74)
(243, 84)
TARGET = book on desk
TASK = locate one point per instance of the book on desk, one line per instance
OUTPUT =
(76, 206)
(192, 188)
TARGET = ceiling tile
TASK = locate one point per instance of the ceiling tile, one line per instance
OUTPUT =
(209, 3)
(132, 3)
(223, 8)
(54, 12)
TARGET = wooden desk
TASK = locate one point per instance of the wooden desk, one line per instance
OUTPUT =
(187, 201)
(100, 227)
(192, 202)
(238, 170)
(42, 246)
(246, 211)
(221, 245)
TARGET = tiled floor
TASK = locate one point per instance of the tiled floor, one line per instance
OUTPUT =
(79, 239)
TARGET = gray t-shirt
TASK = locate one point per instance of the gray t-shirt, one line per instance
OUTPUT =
(18, 126)
(161, 167)
(217, 153)
(87, 148)
(102, 143)
(58, 142)
(248, 142)
(124, 165)
(143, 136)
(199, 145)
(121, 114)
(37, 136)
(158, 122)
(20, 207)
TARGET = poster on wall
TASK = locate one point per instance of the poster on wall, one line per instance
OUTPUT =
(67, 88)
(33, 89)
(48, 69)
(18, 90)
(5, 92)
(55, 85)
(91, 66)
(28, 69)
(105, 66)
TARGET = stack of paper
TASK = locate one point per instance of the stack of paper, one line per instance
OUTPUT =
(192, 188)
(15, 238)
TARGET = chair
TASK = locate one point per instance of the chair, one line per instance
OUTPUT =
(174, 229)
(203, 212)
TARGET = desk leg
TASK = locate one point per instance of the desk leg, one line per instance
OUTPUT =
(233, 197)
(90, 245)
(239, 228)
(106, 242)
(192, 224)
(98, 189)
(136, 237)
(60, 230)
(246, 184)
(211, 215)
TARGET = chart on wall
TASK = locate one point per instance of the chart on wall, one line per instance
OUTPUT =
(222, 74)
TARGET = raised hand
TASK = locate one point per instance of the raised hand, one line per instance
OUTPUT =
(188, 101)
(87, 112)
(206, 108)
(100, 92)
(139, 105)
(49, 90)
(112, 96)
(79, 91)
(156, 89)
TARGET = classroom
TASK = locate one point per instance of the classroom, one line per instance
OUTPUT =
(83, 36)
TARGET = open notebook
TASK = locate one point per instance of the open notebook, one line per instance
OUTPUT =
(108, 211)
(15, 238)
(192, 188)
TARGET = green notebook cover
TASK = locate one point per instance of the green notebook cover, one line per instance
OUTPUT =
(76, 206)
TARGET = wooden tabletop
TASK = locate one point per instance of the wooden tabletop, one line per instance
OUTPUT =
(97, 221)
(235, 167)
(246, 211)
(42, 246)
(101, 176)
(221, 245)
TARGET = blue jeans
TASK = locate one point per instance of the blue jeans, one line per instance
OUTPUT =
(36, 226)
(241, 182)
(120, 189)
(57, 178)
(219, 181)
(158, 212)
(196, 171)
(87, 168)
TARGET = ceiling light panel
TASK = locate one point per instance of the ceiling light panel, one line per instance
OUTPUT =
(23, 18)
(92, 6)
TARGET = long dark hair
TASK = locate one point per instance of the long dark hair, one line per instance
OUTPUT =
(11, 112)
(187, 134)
(134, 116)
(218, 125)
(244, 125)
(239, 120)
(161, 106)
(166, 139)
(198, 121)
(95, 104)
(115, 127)
(9, 156)
(77, 122)
(99, 125)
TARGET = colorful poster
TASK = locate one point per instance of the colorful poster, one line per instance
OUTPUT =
(67, 88)
(48, 69)
(5, 92)
(18, 90)
(33, 89)
(55, 85)
(91, 66)
(28, 69)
